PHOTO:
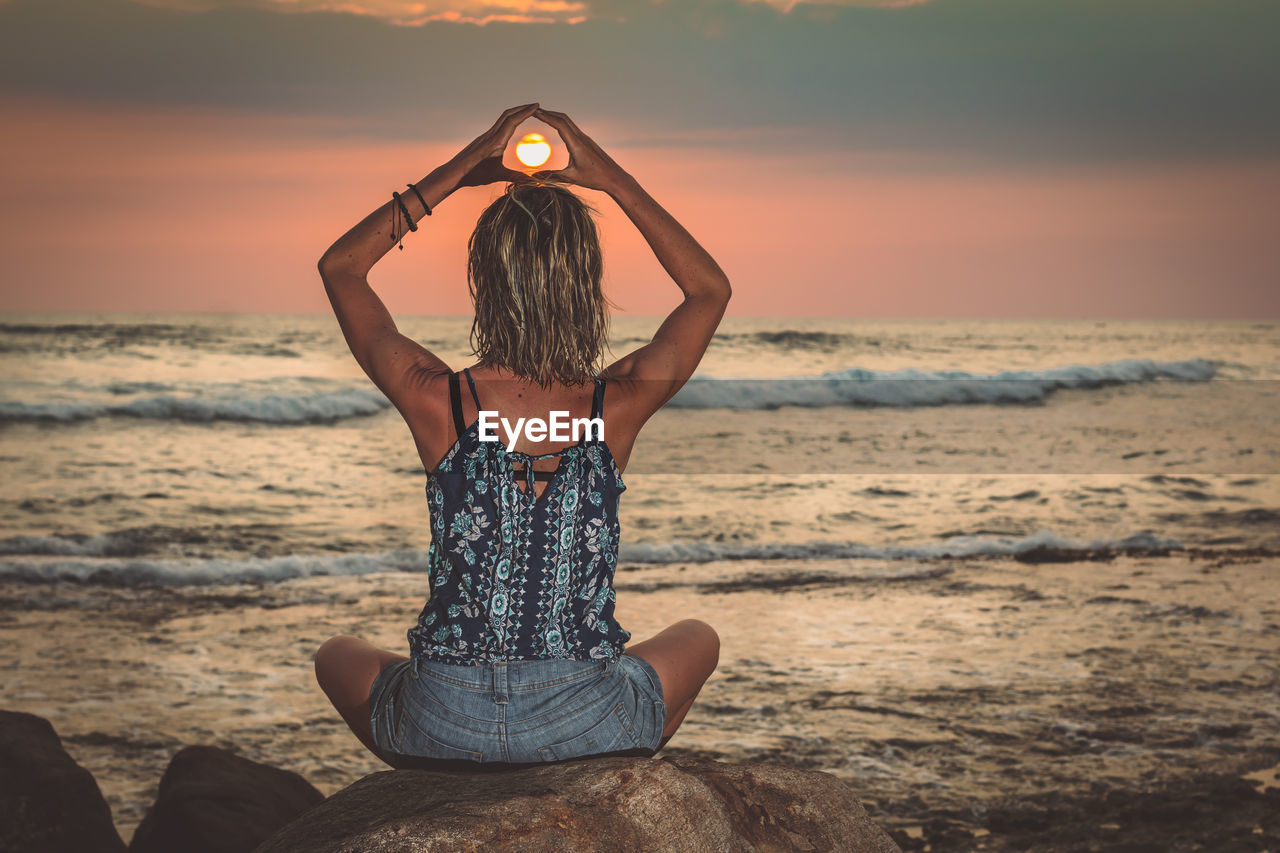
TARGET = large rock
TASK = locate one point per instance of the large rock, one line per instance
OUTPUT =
(615, 803)
(214, 801)
(48, 803)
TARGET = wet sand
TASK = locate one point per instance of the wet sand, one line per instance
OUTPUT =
(1127, 700)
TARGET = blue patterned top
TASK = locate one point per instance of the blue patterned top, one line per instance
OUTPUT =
(515, 575)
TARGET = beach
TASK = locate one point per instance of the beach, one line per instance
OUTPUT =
(1016, 583)
(961, 692)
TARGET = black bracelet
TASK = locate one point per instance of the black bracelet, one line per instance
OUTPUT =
(420, 198)
(404, 210)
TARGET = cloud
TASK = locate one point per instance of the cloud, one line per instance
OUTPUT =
(482, 12)
(790, 5)
(405, 12)
(1005, 79)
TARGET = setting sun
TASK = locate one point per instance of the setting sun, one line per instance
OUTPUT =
(533, 149)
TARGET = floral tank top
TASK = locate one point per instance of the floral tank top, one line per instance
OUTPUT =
(516, 575)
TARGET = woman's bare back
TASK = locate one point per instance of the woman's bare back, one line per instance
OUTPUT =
(431, 424)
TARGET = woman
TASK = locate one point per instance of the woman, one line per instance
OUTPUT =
(516, 658)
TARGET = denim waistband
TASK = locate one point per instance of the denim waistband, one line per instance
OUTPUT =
(504, 677)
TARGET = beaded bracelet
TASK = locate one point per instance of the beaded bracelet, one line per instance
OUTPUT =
(420, 198)
(412, 225)
(397, 208)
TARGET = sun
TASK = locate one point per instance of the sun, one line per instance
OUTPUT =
(533, 149)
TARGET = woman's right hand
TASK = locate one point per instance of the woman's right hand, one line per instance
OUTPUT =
(589, 167)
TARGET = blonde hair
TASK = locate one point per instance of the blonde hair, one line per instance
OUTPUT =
(534, 269)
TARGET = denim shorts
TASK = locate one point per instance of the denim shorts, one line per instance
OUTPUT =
(515, 713)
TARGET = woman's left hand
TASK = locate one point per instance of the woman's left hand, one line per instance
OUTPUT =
(480, 163)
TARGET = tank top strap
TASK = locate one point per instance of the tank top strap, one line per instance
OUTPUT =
(471, 383)
(455, 405)
(597, 402)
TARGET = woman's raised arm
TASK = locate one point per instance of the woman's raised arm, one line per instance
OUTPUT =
(658, 369)
(392, 361)
(664, 364)
(387, 357)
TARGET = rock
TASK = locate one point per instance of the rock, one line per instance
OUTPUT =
(214, 801)
(1050, 554)
(612, 803)
(48, 803)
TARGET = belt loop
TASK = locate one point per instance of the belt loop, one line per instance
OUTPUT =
(500, 694)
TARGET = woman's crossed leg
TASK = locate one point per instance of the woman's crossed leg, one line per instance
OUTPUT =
(346, 668)
(684, 656)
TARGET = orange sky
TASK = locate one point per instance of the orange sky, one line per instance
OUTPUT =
(186, 209)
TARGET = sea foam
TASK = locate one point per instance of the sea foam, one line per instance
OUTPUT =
(851, 387)
(911, 387)
(69, 559)
(322, 407)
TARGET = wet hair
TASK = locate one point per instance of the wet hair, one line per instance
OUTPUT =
(534, 269)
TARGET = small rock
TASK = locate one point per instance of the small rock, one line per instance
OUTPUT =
(214, 801)
(48, 802)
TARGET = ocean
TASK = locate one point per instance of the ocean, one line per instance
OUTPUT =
(1011, 580)
(188, 449)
